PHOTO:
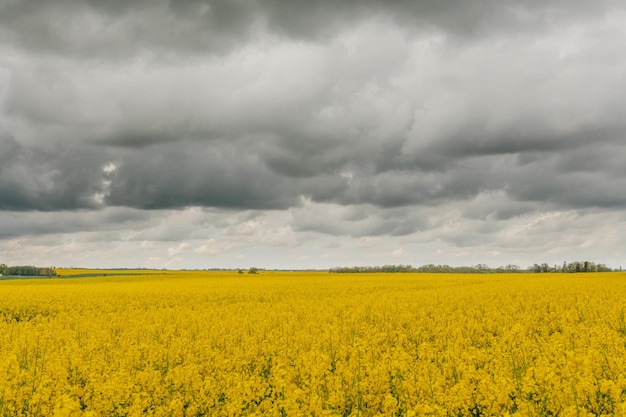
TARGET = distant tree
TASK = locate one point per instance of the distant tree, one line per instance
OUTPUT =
(253, 270)
(480, 268)
(31, 271)
(49, 272)
(3, 269)
(577, 267)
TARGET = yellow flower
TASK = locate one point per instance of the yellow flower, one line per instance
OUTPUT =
(67, 406)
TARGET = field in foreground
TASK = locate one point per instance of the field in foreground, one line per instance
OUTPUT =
(276, 344)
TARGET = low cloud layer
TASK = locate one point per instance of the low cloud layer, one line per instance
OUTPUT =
(342, 120)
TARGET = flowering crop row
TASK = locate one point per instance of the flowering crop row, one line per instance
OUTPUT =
(292, 344)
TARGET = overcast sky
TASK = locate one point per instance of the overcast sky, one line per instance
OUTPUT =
(312, 133)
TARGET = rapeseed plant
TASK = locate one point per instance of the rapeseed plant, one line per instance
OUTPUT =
(191, 343)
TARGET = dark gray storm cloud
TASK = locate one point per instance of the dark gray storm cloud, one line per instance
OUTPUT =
(122, 29)
(263, 105)
(49, 178)
(17, 224)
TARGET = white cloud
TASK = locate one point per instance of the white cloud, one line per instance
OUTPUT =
(178, 249)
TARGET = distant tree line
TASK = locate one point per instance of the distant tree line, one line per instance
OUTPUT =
(384, 268)
(577, 266)
(480, 268)
(31, 271)
(584, 266)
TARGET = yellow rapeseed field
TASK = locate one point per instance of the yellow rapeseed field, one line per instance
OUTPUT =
(299, 344)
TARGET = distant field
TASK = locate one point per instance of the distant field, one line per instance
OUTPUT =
(81, 273)
(130, 343)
